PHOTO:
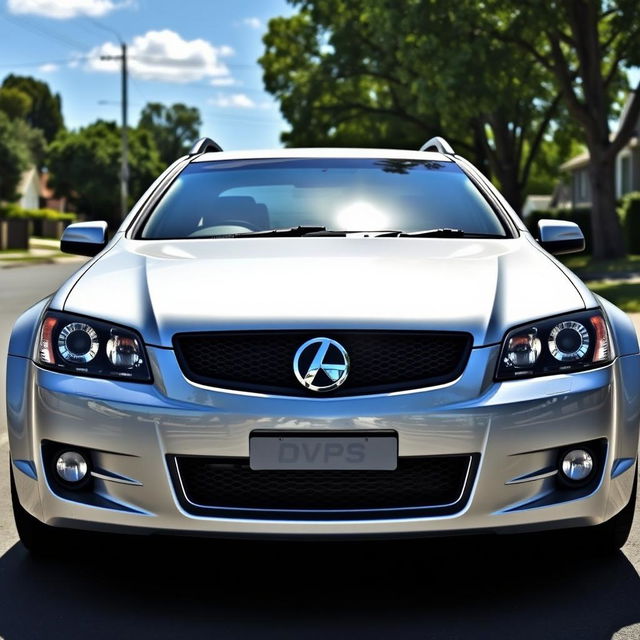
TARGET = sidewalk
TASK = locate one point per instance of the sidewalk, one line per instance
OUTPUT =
(41, 251)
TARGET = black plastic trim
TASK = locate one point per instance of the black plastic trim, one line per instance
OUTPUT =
(324, 514)
(340, 392)
(90, 249)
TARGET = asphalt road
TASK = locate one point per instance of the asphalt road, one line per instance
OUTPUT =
(519, 587)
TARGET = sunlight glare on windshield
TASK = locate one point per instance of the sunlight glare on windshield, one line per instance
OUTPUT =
(361, 215)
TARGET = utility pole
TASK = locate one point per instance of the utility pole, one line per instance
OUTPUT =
(124, 161)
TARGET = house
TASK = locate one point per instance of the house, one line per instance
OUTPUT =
(48, 198)
(627, 172)
(534, 203)
(29, 189)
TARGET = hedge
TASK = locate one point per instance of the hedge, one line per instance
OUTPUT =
(629, 212)
(8, 211)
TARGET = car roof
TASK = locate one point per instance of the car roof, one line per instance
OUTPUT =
(328, 152)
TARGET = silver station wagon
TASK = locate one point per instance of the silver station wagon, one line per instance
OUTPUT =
(323, 342)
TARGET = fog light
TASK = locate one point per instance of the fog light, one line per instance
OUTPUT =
(71, 466)
(577, 465)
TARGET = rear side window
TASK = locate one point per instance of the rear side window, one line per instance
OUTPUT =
(341, 194)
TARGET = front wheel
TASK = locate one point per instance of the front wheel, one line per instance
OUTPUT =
(612, 535)
(38, 538)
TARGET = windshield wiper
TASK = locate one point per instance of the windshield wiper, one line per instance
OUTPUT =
(289, 232)
(433, 233)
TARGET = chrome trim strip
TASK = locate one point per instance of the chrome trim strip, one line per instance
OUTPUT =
(114, 477)
(535, 475)
(621, 465)
(323, 511)
(27, 467)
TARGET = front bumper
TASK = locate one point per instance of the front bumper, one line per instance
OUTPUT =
(515, 427)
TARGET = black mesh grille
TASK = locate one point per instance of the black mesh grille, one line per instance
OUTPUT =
(230, 483)
(379, 361)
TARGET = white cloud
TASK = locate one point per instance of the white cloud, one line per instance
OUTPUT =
(64, 9)
(234, 100)
(167, 57)
(225, 81)
(253, 23)
(49, 67)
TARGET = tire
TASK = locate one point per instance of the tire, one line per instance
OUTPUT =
(611, 536)
(38, 538)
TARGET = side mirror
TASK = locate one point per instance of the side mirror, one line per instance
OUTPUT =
(560, 236)
(84, 238)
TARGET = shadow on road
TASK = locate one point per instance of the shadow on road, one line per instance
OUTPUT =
(461, 588)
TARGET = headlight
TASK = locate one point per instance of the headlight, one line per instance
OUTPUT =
(569, 343)
(91, 348)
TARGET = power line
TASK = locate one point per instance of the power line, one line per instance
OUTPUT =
(39, 64)
(45, 32)
(105, 27)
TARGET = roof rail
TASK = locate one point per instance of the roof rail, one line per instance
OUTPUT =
(203, 145)
(438, 144)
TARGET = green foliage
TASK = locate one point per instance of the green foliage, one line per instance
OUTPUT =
(85, 167)
(15, 157)
(629, 212)
(45, 112)
(174, 129)
(9, 211)
(587, 46)
(381, 74)
(14, 102)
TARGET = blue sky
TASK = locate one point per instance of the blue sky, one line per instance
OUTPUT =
(199, 52)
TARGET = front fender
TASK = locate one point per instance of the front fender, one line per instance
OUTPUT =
(23, 335)
(625, 338)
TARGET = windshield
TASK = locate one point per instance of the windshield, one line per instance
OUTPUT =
(229, 197)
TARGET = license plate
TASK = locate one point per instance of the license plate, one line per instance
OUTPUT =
(378, 452)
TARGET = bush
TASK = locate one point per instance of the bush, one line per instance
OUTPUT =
(629, 212)
(580, 215)
(14, 211)
(46, 223)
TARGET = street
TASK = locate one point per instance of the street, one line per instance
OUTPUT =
(459, 588)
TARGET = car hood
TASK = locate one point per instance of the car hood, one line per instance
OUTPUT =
(166, 287)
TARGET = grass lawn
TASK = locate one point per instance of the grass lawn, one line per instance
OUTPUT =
(585, 263)
(625, 295)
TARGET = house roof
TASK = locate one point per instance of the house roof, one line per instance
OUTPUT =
(582, 159)
(577, 162)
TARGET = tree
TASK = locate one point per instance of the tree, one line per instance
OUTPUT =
(20, 148)
(375, 73)
(173, 128)
(45, 112)
(585, 45)
(85, 167)
(14, 102)
(14, 159)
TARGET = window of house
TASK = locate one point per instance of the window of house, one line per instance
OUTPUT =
(624, 174)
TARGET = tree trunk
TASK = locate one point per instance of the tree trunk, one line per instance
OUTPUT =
(607, 237)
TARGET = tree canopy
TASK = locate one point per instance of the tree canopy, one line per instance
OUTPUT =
(14, 102)
(374, 73)
(85, 167)
(21, 147)
(510, 83)
(585, 45)
(173, 128)
(14, 159)
(45, 110)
